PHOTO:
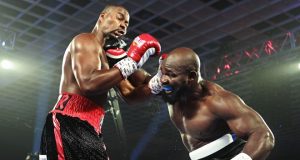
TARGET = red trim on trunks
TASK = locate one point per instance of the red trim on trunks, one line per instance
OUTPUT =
(58, 140)
(75, 105)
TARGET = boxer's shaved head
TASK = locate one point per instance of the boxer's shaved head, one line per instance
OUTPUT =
(185, 58)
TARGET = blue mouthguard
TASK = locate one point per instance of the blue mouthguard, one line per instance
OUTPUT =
(167, 88)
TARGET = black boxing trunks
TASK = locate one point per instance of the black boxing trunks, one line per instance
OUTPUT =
(224, 148)
(73, 130)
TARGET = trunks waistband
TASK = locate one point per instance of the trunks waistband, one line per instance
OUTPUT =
(211, 147)
(75, 105)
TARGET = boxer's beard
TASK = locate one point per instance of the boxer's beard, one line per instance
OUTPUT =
(180, 95)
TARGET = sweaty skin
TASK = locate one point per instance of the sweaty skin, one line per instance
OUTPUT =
(75, 124)
(85, 67)
(207, 111)
(197, 125)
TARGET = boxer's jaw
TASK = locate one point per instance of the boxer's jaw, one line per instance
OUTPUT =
(168, 89)
(180, 94)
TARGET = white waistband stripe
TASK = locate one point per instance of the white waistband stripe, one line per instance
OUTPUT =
(211, 147)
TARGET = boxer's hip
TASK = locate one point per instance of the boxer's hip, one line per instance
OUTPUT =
(74, 105)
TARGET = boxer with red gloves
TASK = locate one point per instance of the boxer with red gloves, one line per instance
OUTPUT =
(85, 81)
(138, 53)
(116, 51)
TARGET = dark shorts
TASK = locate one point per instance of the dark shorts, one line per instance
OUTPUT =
(78, 139)
(227, 152)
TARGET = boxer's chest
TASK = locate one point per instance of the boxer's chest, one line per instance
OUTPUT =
(194, 120)
(103, 62)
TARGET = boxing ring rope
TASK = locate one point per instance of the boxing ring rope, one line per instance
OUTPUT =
(117, 118)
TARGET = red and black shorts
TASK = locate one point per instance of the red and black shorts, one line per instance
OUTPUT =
(73, 130)
(79, 140)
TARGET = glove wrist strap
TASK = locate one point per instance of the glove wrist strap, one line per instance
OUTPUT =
(155, 83)
(126, 66)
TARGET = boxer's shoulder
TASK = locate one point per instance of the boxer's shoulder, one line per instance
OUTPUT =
(85, 41)
(85, 38)
(212, 86)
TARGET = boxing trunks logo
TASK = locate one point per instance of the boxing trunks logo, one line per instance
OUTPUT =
(74, 105)
(62, 103)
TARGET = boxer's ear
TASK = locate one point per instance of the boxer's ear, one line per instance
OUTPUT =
(101, 16)
(192, 76)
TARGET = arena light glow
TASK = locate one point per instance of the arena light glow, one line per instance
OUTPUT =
(298, 65)
(269, 47)
(7, 64)
(231, 62)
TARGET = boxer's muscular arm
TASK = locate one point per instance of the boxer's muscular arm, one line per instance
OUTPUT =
(149, 86)
(139, 77)
(245, 123)
(86, 66)
(135, 88)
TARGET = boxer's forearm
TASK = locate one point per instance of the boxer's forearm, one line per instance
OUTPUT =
(259, 144)
(99, 81)
(137, 94)
(133, 94)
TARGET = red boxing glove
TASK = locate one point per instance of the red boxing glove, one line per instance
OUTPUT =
(142, 47)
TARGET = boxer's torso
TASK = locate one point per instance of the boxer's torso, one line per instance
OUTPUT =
(68, 81)
(196, 123)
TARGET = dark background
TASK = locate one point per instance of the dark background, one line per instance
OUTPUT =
(36, 33)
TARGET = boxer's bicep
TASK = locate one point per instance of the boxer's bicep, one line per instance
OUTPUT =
(246, 123)
(85, 60)
(240, 118)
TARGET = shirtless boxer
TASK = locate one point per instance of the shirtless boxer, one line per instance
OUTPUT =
(73, 128)
(214, 124)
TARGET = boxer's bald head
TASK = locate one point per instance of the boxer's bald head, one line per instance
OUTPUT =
(180, 75)
(185, 60)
